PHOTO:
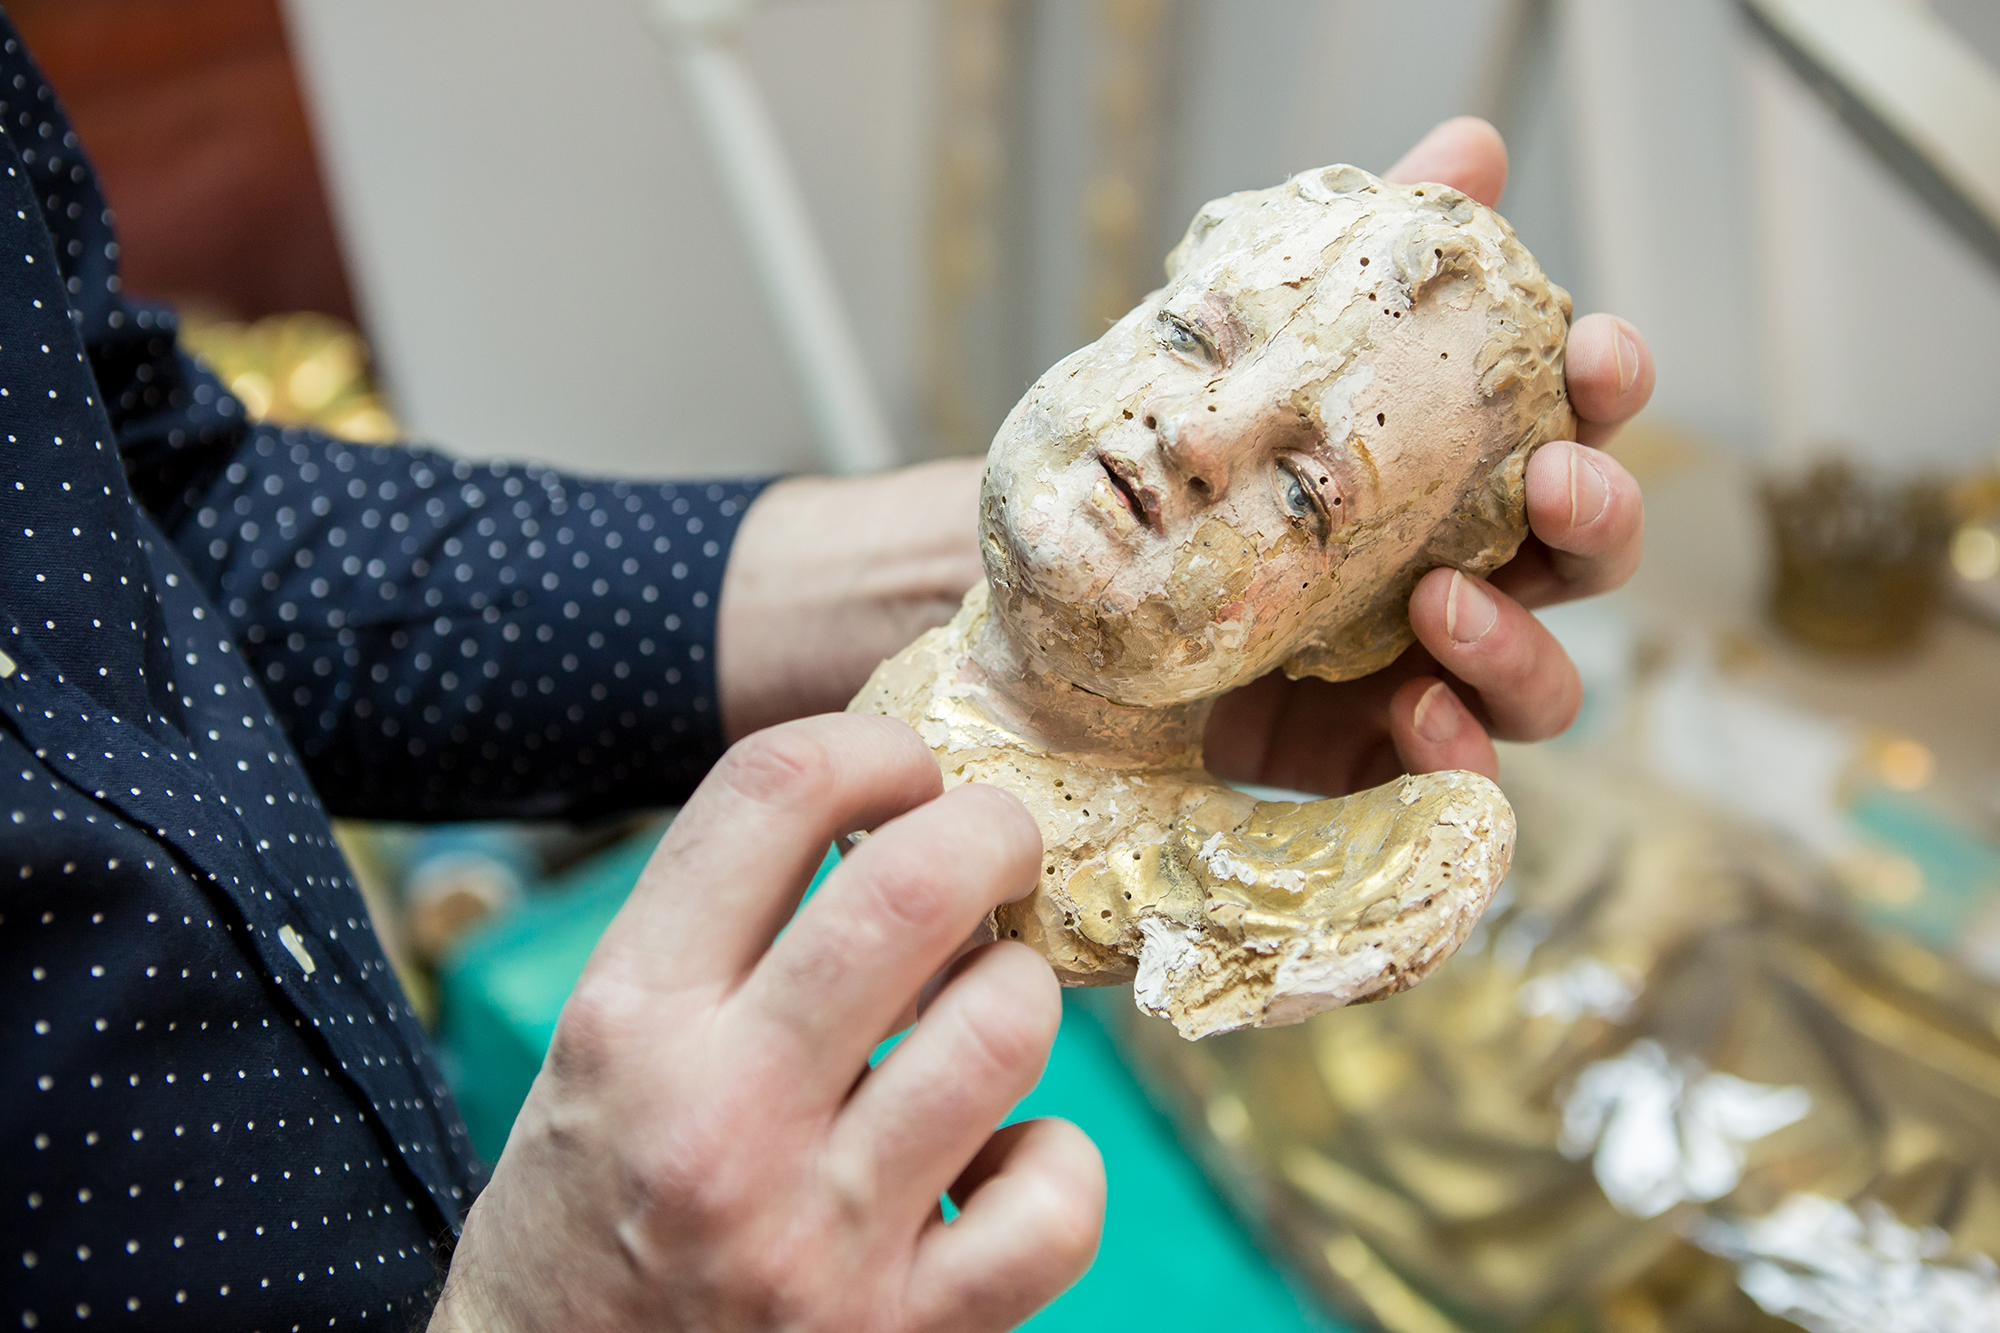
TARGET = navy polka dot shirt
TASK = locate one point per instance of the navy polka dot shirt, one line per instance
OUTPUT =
(217, 1110)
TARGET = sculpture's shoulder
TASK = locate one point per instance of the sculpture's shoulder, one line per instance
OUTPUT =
(1310, 905)
(907, 685)
(1316, 855)
(932, 686)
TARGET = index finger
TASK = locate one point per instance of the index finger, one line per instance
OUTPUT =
(1465, 153)
(731, 869)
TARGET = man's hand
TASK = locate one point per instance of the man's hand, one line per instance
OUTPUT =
(705, 1147)
(1482, 667)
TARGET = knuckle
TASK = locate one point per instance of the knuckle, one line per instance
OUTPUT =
(818, 966)
(591, 1028)
(689, 1178)
(850, 1187)
(909, 892)
(976, 846)
(1008, 1034)
(781, 766)
(778, 1294)
(1004, 820)
(997, 1049)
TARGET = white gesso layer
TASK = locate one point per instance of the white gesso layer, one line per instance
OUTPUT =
(1168, 947)
(1308, 980)
(1311, 982)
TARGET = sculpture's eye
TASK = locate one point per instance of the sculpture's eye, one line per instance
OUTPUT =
(1301, 501)
(1180, 336)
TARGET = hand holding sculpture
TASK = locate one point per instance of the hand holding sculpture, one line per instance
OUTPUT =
(1337, 391)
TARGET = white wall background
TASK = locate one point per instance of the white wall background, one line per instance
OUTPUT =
(1881, 327)
(542, 262)
(546, 270)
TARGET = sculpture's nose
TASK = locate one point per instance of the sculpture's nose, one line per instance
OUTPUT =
(1197, 444)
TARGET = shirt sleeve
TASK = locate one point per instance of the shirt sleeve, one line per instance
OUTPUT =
(440, 639)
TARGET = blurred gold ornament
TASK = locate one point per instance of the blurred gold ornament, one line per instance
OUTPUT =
(296, 370)
(1975, 553)
(1880, 878)
(1976, 499)
(1975, 545)
(1897, 762)
(1860, 559)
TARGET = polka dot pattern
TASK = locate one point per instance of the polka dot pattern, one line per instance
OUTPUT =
(178, 1148)
(217, 1108)
(461, 641)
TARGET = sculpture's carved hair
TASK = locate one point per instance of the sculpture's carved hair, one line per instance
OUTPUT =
(1440, 236)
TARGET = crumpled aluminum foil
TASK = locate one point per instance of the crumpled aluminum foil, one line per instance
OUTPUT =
(1669, 1084)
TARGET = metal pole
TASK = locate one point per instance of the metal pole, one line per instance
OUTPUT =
(770, 214)
(1918, 95)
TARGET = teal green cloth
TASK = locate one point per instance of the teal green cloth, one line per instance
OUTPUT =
(1960, 867)
(1173, 1255)
(500, 992)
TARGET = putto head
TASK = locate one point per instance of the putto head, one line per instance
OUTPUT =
(1336, 391)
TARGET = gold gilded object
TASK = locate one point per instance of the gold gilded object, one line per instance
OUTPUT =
(1860, 561)
(296, 370)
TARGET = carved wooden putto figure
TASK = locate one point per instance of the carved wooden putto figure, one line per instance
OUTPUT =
(1336, 392)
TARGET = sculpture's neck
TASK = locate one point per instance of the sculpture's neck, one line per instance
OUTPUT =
(1048, 712)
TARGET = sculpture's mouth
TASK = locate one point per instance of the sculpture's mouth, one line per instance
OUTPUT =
(1142, 500)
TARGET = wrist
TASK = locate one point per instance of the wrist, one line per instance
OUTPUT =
(829, 576)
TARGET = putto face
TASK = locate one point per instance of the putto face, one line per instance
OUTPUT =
(1250, 456)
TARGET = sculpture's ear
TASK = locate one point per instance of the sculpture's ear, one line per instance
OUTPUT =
(1212, 215)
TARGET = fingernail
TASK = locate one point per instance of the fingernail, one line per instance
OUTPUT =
(1439, 714)
(1587, 491)
(1468, 611)
(1625, 351)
